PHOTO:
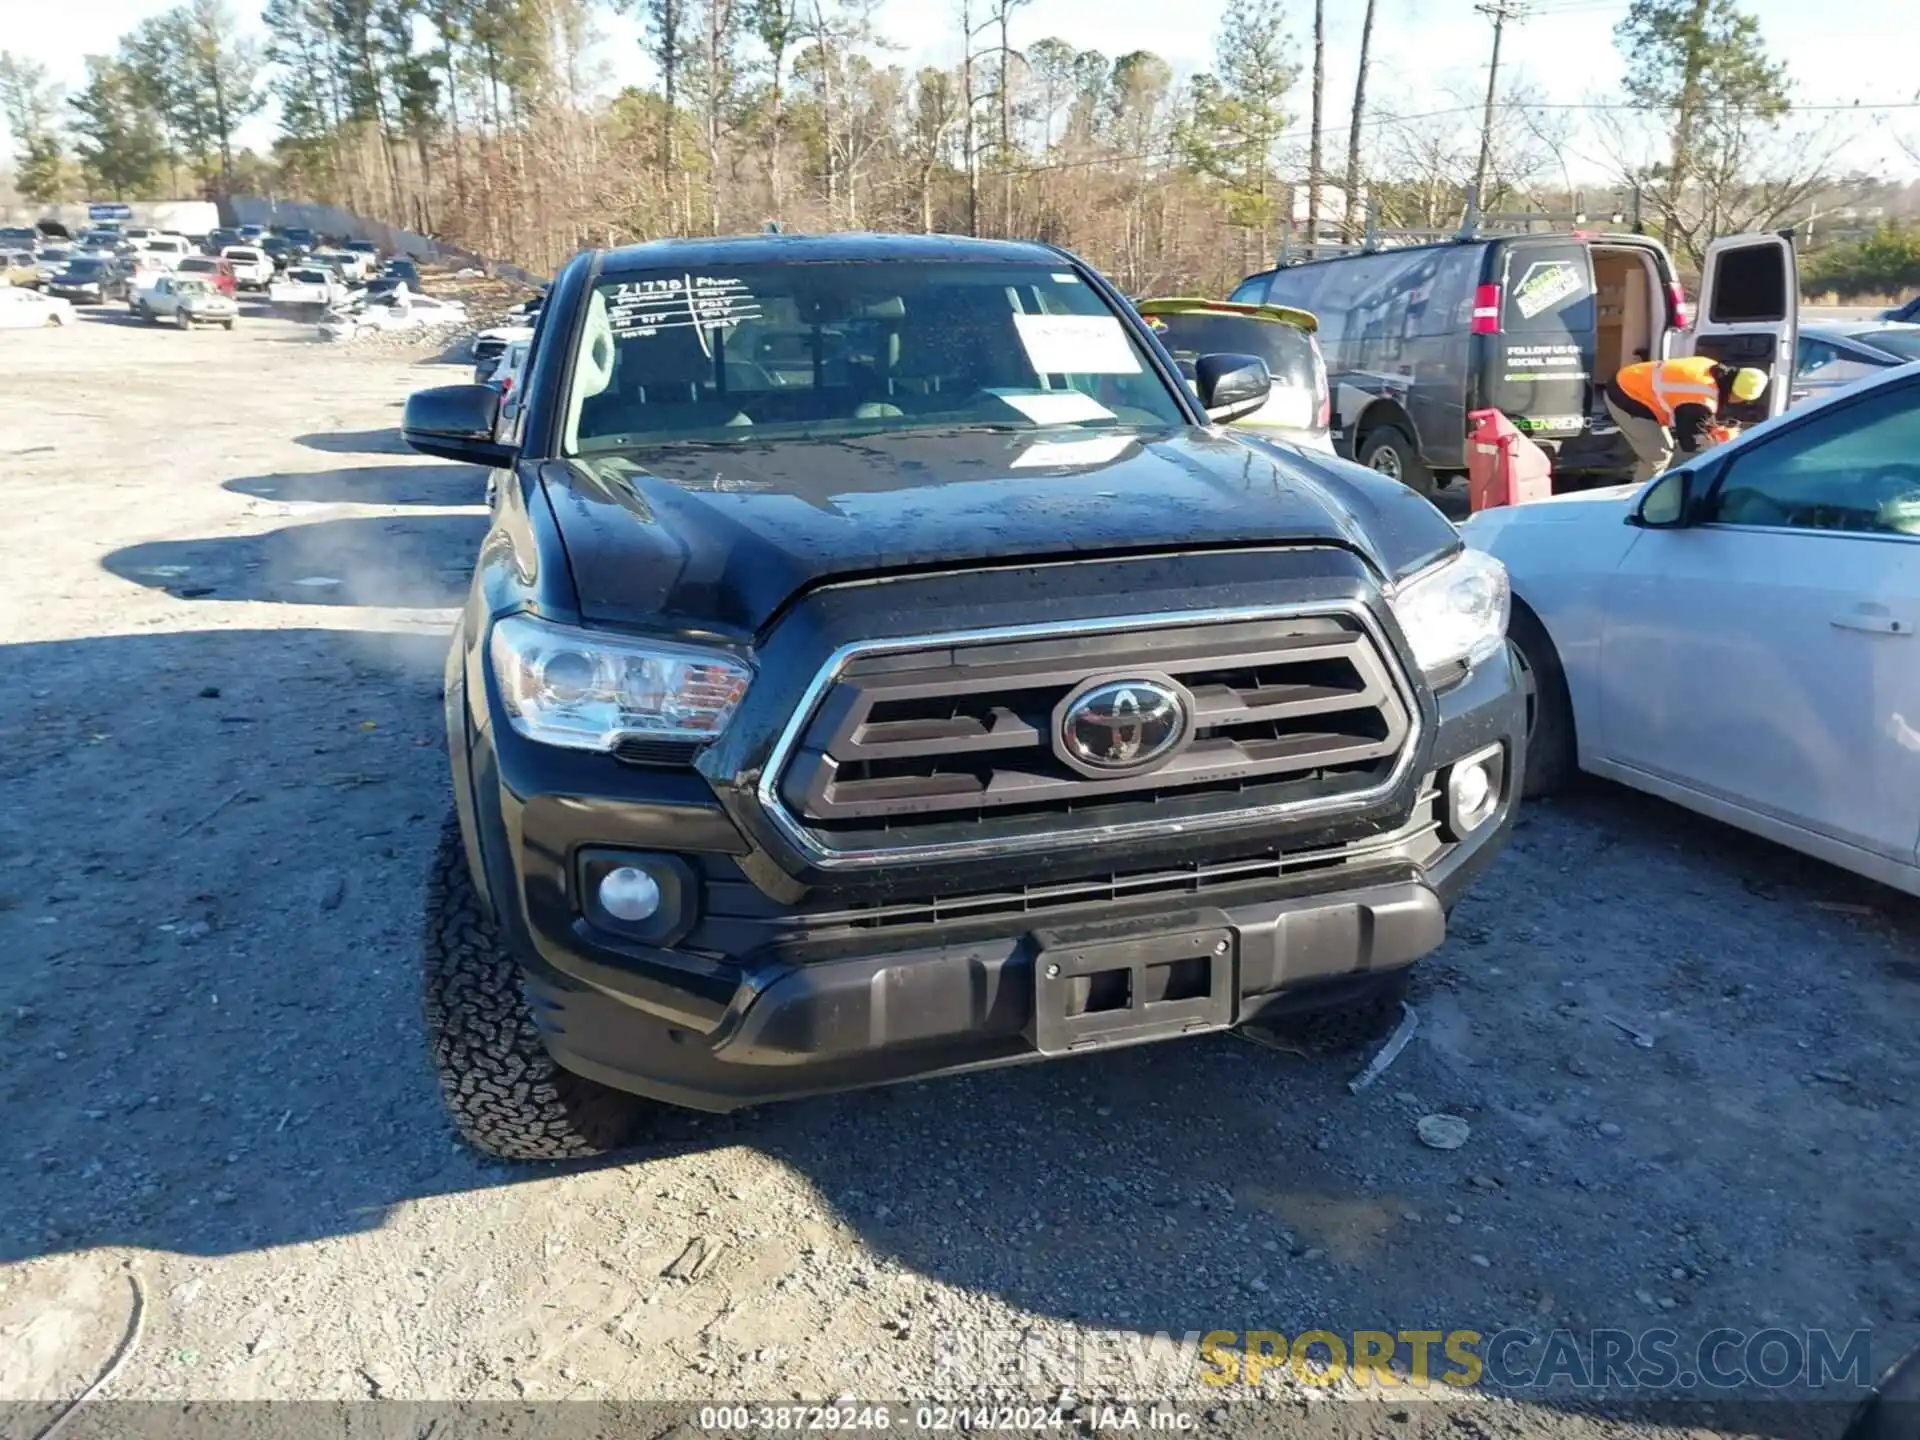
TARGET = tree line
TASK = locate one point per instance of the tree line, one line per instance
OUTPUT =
(483, 122)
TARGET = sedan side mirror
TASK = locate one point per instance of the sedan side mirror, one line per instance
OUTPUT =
(1663, 505)
(1230, 386)
(456, 422)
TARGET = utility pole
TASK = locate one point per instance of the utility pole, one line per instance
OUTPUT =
(1501, 11)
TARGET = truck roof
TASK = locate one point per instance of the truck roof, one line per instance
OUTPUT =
(799, 249)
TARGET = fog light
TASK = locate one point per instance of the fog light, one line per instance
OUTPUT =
(1473, 791)
(629, 894)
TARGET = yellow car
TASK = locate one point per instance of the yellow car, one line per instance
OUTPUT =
(1299, 408)
(21, 268)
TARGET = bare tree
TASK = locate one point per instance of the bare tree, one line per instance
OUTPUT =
(1349, 229)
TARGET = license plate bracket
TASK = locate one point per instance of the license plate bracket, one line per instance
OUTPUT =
(1091, 993)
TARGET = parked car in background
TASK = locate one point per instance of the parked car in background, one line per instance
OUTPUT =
(100, 239)
(22, 309)
(491, 344)
(282, 253)
(186, 301)
(368, 249)
(138, 234)
(213, 268)
(1737, 635)
(401, 268)
(307, 291)
(170, 250)
(52, 260)
(1534, 325)
(1298, 407)
(21, 268)
(352, 265)
(1908, 312)
(252, 234)
(252, 266)
(299, 238)
(1836, 353)
(91, 280)
(218, 239)
(19, 237)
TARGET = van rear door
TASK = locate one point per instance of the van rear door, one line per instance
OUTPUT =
(1749, 314)
(1537, 319)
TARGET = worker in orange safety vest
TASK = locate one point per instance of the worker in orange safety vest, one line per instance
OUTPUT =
(1661, 404)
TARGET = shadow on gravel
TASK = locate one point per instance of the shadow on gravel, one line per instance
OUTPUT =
(419, 561)
(356, 442)
(438, 485)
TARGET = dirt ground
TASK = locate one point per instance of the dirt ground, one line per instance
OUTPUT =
(1687, 1058)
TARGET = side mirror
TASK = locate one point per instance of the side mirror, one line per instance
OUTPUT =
(456, 422)
(1663, 505)
(1230, 386)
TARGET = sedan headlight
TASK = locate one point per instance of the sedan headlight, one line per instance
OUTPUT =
(585, 690)
(1457, 611)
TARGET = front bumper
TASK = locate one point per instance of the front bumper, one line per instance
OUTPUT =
(755, 994)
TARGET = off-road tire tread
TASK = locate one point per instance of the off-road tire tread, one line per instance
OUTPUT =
(507, 1096)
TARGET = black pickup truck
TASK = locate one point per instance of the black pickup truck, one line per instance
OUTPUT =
(881, 665)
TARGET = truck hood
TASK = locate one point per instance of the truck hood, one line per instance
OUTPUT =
(718, 536)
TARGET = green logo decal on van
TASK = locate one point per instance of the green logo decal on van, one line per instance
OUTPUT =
(1546, 284)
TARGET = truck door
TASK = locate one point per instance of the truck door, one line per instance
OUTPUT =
(1749, 314)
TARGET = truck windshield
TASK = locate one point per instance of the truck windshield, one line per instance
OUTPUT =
(758, 352)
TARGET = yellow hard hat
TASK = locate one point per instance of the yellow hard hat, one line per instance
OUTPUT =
(1748, 384)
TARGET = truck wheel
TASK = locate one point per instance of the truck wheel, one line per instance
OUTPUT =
(507, 1096)
(183, 320)
(1391, 451)
(1552, 757)
(226, 325)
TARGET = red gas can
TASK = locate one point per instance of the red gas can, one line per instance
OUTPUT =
(1504, 467)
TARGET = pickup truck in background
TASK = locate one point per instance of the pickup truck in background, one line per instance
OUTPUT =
(306, 291)
(186, 301)
(252, 266)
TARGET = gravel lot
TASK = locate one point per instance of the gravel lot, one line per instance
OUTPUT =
(221, 775)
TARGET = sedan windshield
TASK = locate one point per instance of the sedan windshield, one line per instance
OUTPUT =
(742, 353)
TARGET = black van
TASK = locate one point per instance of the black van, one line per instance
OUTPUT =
(1534, 325)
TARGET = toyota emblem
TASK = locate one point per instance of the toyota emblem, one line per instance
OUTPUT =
(1117, 726)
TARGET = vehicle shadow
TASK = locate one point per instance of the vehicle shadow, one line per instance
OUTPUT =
(417, 561)
(211, 852)
(436, 485)
(356, 442)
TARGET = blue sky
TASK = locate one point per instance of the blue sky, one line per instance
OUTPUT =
(1425, 50)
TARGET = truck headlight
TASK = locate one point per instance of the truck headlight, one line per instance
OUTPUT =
(586, 690)
(1456, 611)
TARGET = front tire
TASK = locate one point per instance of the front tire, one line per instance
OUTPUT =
(183, 320)
(1390, 450)
(1552, 755)
(507, 1096)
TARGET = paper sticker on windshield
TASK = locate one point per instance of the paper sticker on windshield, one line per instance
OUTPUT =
(1076, 345)
(1546, 284)
(640, 308)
